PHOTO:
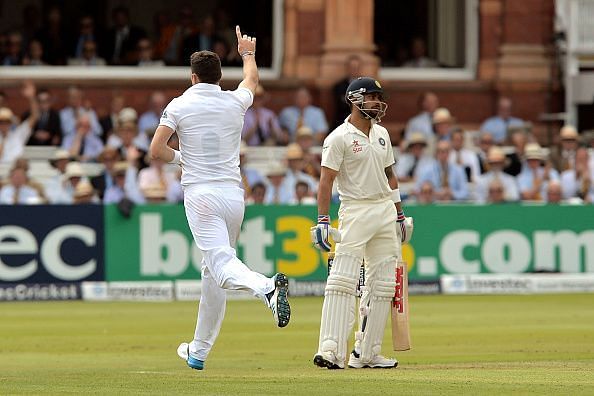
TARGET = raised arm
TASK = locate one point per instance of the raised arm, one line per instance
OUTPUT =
(246, 46)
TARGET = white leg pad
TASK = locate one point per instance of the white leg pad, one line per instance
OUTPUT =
(338, 311)
(375, 303)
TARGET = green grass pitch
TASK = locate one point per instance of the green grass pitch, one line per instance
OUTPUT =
(475, 345)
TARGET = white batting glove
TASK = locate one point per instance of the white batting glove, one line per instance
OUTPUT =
(320, 233)
(405, 229)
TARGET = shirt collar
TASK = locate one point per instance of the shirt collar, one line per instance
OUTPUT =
(207, 87)
(352, 127)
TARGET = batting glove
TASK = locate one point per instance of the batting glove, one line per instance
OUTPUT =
(320, 233)
(405, 229)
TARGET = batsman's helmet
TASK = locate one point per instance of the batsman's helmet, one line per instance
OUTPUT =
(362, 86)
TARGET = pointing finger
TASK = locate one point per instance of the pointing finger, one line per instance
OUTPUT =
(238, 32)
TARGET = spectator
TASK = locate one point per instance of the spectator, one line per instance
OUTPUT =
(89, 56)
(155, 175)
(171, 37)
(125, 141)
(109, 123)
(277, 190)
(261, 127)
(249, 176)
(18, 191)
(579, 182)
(464, 157)
(13, 138)
(258, 193)
(498, 125)
(14, 52)
(47, 131)
(122, 38)
(34, 56)
(413, 159)
(426, 195)
(294, 156)
(84, 194)
(204, 39)
(222, 48)
(149, 120)
(419, 55)
(484, 144)
(449, 181)
(534, 178)
(303, 195)
(496, 192)
(83, 145)
(54, 37)
(108, 157)
(54, 186)
(123, 187)
(304, 113)
(72, 177)
(342, 109)
(563, 156)
(496, 160)
(443, 123)
(423, 122)
(311, 161)
(146, 54)
(554, 193)
(515, 161)
(155, 194)
(86, 32)
(69, 114)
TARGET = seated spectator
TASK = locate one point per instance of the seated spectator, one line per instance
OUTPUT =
(304, 113)
(294, 157)
(69, 114)
(303, 195)
(554, 193)
(127, 142)
(72, 177)
(47, 131)
(14, 50)
(24, 164)
(89, 56)
(496, 192)
(563, 155)
(108, 157)
(84, 194)
(257, 195)
(449, 181)
(484, 144)
(155, 194)
(443, 124)
(18, 191)
(34, 55)
(122, 39)
(155, 175)
(83, 145)
(496, 161)
(419, 55)
(204, 39)
(498, 125)
(464, 157)
(228, 59)
(149, 120)
(277, 190)
(146, 56)
(515, 161)
(123, 187)
(54, 36)
(423, 122)
(342, 109)
(535, 176)
(261, 127)
(311, 162)
(171, 37)
(425, 195)
(109, 122)
(579, 182)
(86, 32)
(13, 137)
(249, 176)
(413, 158)
(54, 186)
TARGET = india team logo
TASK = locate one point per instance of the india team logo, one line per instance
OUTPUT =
(382, 141)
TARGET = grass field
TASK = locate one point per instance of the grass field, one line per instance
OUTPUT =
(469, 345)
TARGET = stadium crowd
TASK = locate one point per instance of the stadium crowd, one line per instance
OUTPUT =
(437, 161)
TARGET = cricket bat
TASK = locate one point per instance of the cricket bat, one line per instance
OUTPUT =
(400, 325)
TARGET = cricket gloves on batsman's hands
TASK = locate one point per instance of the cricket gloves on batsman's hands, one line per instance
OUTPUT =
(405, 228)
(320, 233)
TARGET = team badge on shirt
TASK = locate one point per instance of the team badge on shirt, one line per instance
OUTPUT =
(357, 147)
(382, 142)
(164, 115)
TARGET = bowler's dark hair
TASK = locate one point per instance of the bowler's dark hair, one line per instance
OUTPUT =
(207, 66)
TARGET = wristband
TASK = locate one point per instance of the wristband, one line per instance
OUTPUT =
(247, 53)
(400, 216)
(396, 196)
(323, 219)
(176, 158)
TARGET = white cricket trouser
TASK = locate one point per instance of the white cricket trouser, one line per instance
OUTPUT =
(214, 214)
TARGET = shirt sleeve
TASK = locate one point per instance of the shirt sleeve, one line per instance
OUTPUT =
(245, 96)
(170, 116)
(333, 152)
(389, 160)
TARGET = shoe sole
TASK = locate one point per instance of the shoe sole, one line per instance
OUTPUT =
(282, 303)
(183, 351)
(321, 362)
(374, 367)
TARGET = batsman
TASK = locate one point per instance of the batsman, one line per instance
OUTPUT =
(371, 226)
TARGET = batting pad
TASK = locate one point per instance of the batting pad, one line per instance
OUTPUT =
(338, 311)
(375, 304)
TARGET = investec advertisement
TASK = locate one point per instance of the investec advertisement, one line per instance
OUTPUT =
(156, 244)
(43, 249)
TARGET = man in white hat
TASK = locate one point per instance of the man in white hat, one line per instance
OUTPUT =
(14, 137)
(563, 155)
(579, 182)
(278, 189)
(295, 171)
(535, 176)
(413, 158)
(496, 163)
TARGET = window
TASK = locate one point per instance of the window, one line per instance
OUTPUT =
(426, 39)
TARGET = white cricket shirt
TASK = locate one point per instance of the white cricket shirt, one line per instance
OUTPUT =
(208, 122)
(360, 161)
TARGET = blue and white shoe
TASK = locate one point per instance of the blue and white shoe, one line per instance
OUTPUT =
(278, 301)
(183, 351)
